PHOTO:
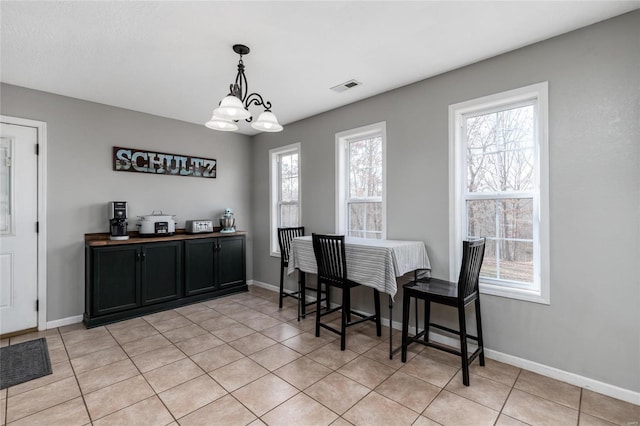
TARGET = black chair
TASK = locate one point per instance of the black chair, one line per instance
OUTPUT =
(285, 236)
(458, 295)
(332, 271)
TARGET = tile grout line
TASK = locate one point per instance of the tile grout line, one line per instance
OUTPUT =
(5, 407)
(579, 407)
(187, 357)
(513, 386)
(155, 393)
(64, 345)
(143, 377)
(208, 373)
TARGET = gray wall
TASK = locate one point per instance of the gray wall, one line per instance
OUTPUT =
(80, 180)
(592, 327)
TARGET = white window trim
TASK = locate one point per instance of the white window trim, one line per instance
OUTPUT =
(273, 192)
(342, 138)
(537, 91)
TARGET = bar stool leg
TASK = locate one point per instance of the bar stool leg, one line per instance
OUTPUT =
(479, 325)
(463, 345)
(406, 305)
(346, 313)
(281, 286)
(427, 317)
(302, 295)
(318, 302)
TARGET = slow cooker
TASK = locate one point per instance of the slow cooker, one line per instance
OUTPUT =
(156, 224)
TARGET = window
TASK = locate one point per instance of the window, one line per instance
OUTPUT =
(284, 174)
(499, 189)
(7, 204)
(361, 178)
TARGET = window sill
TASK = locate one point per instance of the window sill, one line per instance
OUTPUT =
(514, 293)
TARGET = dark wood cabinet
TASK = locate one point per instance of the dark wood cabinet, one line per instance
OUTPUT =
(199, 266)
(161, 271)
(124, 280)
(230, 261)
(115, 277)
(214, 263)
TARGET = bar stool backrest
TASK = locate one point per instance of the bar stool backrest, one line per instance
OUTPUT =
(472, 256)
(285, 235)
(330, 258)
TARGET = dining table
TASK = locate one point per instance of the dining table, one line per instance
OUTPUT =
(375, 263)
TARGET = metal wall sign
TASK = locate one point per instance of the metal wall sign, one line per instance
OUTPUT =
(145, 161)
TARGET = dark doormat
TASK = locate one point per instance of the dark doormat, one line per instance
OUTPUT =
(23, 362)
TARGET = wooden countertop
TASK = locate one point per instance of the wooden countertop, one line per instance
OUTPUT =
(102, 239)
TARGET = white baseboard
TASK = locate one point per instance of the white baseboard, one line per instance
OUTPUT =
(64, 321)
(544, 370)
(276, 288)
(266, 286)
(565, 376)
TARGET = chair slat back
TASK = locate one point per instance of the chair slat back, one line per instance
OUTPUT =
(330, 258)
(285, 235)
(472, 256)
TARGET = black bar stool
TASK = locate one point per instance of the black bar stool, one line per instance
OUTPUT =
(459, 295)
(332, 271)
(285, 236)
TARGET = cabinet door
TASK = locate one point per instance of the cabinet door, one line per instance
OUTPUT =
(116, 284)
(161, 271)
(199, 272)
(231, 263)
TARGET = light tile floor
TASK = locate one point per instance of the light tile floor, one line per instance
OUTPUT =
(240, 360)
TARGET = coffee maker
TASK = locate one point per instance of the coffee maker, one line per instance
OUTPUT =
(118, 220)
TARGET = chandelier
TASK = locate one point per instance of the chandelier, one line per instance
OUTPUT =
(235, 106)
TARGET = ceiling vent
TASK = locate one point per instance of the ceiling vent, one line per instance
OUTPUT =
(346, 86)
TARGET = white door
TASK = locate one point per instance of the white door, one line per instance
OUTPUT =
(18, 233)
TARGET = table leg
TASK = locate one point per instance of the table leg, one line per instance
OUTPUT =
(303, 295)
(390, 328)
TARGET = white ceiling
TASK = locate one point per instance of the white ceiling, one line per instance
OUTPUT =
(174, 59)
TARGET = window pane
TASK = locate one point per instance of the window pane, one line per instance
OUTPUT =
(489, 264)
(481, 218)
(6, 193)
(365, 220)
(516, 218)
(365, 168)
(289, 190)
(500, 153)
(516, 261)
(504, 259)
(288, 215)
(289, 178)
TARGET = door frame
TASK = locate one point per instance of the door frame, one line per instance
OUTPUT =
(41, 128)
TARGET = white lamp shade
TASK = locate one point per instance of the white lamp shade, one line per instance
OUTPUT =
(219, 123)
(267, 122)
(231, 108)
